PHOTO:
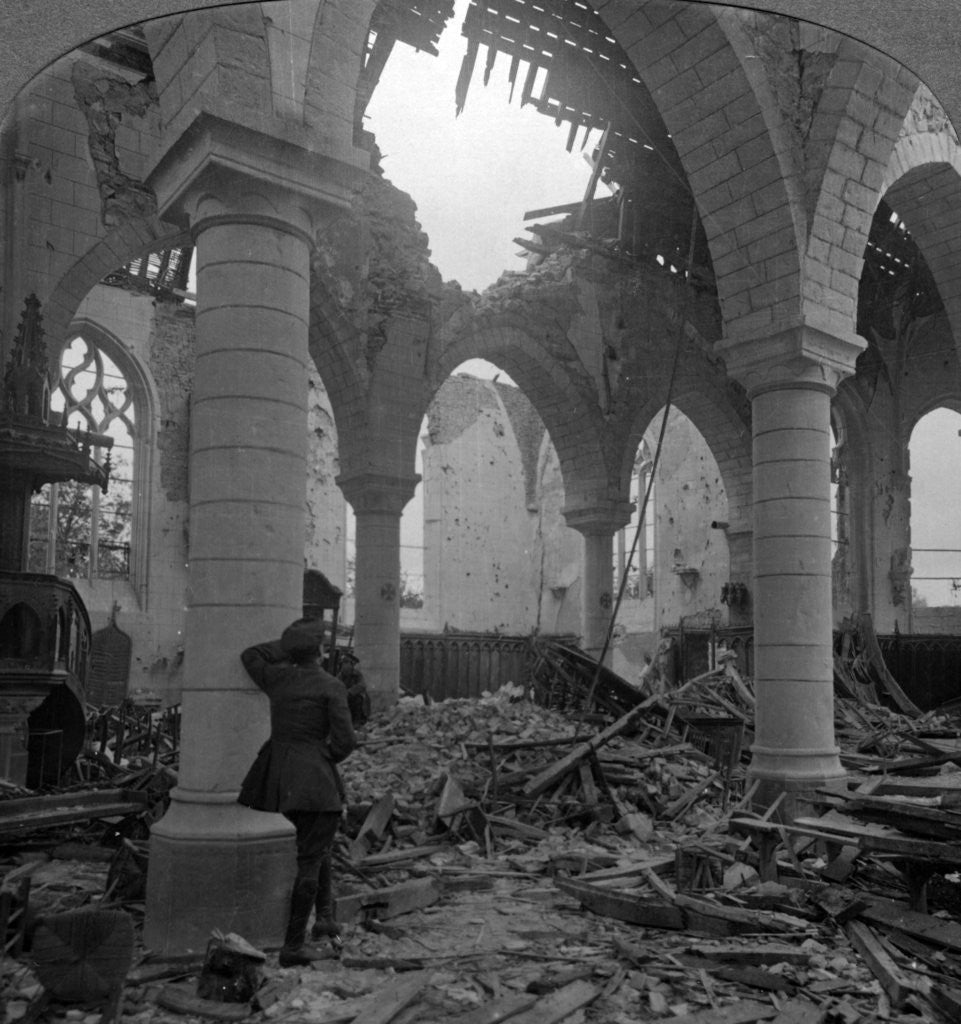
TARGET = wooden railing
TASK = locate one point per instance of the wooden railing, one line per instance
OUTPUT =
(928, 666)
(445, 665)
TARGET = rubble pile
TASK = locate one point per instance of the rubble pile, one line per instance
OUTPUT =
(589, 851)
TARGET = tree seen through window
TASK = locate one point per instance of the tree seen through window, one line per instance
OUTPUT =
(77, 530)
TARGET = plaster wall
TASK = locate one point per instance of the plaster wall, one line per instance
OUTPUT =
(691, 559)
(478, 556)
(325, 541)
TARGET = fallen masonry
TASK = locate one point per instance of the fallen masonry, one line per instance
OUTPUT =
(594, 854)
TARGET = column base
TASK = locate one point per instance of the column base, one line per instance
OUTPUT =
(798, 781)
(217, 865)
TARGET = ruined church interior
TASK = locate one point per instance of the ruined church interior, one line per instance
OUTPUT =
(644, 546)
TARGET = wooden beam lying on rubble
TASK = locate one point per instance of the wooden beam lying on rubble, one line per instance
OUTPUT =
(552, 773)
(26, 814)
(898, 984)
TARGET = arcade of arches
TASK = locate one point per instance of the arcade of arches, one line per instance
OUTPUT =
(776, 258)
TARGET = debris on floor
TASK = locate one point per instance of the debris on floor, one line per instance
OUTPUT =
(593, 854)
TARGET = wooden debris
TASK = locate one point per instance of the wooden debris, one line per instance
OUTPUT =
(181, 997)
(552, 774)
(393, 998)
(559, 1004)
(20, 816)
(388, 902)
(373, 828)
(740, 1013)
(896, 983)
(500, 1009)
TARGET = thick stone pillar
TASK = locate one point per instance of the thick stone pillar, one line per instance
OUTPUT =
(790, 378)
(597, 526)
(213, 863)
(378, 501)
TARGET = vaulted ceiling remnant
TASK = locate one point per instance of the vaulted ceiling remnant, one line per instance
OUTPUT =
(570, 68)
(418, 23)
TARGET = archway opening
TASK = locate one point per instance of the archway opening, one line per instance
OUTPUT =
(678, 577)
(935, 522)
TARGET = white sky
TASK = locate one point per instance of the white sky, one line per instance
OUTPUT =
(474, 176)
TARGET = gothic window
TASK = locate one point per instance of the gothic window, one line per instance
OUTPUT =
(77, 530)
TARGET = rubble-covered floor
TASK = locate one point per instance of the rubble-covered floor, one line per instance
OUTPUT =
(504, 861)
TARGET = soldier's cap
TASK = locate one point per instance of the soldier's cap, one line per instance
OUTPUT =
(302, 637)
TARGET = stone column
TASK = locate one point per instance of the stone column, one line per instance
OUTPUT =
(378, 501)
(790, 377)
(597, 526)
(251, 208)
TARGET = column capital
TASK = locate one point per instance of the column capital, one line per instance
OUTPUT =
(791, 353)
(228, 171)
(604, 518)
(377, 492)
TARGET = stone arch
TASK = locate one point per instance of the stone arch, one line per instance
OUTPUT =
(726, 435)
(211, 61)
(132, 239)
(949, 398)
(693, 61)
(290, 29)
(576, 433)
(333, 66)
(861, 109)
(331, 341)
(922, 184)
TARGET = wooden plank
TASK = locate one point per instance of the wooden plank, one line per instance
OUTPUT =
(623, 907)
(896, 983)
(391, 901)
(686, 800)
(25, 814)
(755, 977)
(559, 1004)
(381, 860)
(588, 788)
(373, 828)
(740, 918)
(842, 865)
(742, 1012)
(658, 864)
(799, 1011)
(394, 997)
(552, 773)
(880, 838)
(500, 1009)
(768, 953)
(948, 1001)
(931, 929)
